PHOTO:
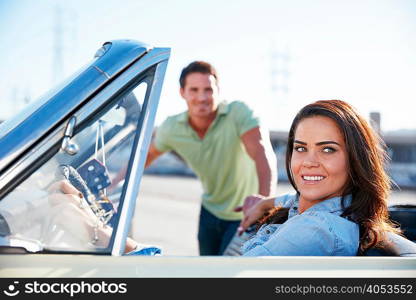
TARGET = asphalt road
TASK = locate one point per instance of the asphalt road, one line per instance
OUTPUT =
(167, 212)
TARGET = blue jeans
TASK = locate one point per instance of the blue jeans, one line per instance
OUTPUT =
(214, 234)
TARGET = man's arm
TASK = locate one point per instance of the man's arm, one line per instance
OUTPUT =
(258, 147)
(152, 154)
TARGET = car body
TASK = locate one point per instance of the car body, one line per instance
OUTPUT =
(103, 113)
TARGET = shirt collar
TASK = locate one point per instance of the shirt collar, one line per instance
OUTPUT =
(183, 117)
(222, 109)
(331, 205)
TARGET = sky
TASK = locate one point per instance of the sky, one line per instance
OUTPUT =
(276, 56)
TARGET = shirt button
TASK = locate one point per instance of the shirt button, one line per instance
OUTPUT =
(295, 208)
(268, 231)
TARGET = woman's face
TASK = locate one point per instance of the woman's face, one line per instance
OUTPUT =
(319, 161)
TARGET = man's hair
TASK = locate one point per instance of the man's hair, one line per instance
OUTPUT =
(197, 67)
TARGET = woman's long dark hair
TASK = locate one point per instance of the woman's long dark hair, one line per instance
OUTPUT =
(368, 182)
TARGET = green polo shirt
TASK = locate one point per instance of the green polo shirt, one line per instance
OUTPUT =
(220, 160)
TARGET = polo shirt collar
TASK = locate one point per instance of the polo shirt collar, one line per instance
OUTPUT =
(183, 117)
(223, 108)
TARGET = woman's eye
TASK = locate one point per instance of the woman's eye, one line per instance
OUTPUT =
(328, 150)
(300, 149)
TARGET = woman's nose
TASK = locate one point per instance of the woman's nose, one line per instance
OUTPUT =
(311, 159)
(310, 163)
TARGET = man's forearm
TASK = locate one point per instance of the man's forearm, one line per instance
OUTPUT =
(152, 154)
(266, 173)
(257, 144)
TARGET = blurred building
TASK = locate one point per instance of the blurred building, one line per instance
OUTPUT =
(402, 151)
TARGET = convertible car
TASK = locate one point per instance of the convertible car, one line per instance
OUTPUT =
(94, 130)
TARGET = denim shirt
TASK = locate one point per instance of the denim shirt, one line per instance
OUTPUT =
(318, 231)
(143, 249)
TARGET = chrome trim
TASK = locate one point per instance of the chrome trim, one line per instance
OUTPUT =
(160, 56)
(103, 50)
(121, 54)
(67, 145)
(69, 130)
(101, 71)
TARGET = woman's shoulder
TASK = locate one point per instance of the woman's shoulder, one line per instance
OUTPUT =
(324, 223)
(332, 223)
(340, 236)
(285, 200)
(344, 232)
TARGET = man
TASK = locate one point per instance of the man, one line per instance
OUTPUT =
(225, 147)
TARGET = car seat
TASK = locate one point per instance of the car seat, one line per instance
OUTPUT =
(395, 246)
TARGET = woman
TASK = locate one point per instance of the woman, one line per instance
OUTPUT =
(335, 162)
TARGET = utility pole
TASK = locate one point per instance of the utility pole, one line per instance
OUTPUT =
(375, 121)
(279, 71)
(57, 63)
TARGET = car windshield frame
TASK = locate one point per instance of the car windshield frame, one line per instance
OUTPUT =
(151, 71)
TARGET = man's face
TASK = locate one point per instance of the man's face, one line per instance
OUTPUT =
(201, 95)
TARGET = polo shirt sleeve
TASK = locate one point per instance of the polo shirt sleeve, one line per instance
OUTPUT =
(162, 137)
(244, 117)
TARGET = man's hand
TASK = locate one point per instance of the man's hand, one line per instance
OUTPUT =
(255, 212)
(248, 203)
